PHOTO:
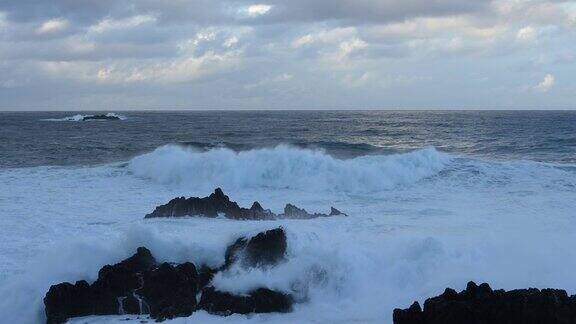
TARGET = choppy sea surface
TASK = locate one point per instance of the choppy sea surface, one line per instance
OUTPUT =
(434, 199)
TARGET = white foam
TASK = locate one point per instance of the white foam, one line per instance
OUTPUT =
(418, 222)
(285, 167)
(79, 117)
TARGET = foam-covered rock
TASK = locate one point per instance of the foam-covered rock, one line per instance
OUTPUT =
(139, 285)
(482, 305)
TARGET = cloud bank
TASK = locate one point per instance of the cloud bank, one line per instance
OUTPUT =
(301, 54)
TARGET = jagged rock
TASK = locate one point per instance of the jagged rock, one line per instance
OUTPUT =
(335, 212)
(291, 211)
(258, 301)
(212, 206)
(482, 305)
(412, 315)
(265, 249)
(139, 285)
(218, 204)
(100, 117)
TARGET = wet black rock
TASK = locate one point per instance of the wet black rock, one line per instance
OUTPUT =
(170, 291)
(108, 295)
(258, 301)
(218, 204)
(139, 285)
(265, 249)
(100, 117)
(482, 305)
(67, 300)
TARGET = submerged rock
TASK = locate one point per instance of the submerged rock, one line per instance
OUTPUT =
(218, 204)
(482, 305)
(100, 117)
(139, 285)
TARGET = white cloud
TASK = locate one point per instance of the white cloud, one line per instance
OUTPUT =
(182, 69)
(258, 10)
(52, 26)
(546, 84)
(108, 24)
(284, 77)
(527, 35)
(329, 36)
(231, 42)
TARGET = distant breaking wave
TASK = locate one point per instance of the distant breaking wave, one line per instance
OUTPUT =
(81, 117)
(285, 167)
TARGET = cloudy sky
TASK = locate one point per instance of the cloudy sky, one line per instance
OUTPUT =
(297, 54)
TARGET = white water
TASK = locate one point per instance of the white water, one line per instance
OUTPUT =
(419, 222)
(81, 117)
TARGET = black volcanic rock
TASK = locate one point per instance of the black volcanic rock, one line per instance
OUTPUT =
(67, 300)
(258, 301)
(100, 117)
(482, 305)
(219, 204)
(139, 285)
(212, 206)
(265, 249)
(171, 291)
(106, 296)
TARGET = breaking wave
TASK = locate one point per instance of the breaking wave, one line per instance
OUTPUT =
(286, 167)
(80, 117)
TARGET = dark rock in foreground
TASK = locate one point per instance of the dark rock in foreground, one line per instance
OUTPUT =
(265, 249)
(219, 204)
(482, 305)
(100, 117)
(139, 285)
(258, 301)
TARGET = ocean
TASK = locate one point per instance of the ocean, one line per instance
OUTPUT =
(434, 199)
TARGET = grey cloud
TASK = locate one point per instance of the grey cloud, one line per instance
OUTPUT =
(213, 54)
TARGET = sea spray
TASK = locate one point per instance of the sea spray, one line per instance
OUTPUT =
(286, 167)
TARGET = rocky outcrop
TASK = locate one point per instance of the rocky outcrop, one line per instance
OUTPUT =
(140, 285)
(100, 117)
(482, 305)
(265, 249)
(218, 204)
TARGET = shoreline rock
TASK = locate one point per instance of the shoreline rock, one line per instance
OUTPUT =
(218, 204)
(141, 285)
(482, 305)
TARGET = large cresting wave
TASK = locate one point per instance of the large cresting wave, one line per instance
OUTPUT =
(286, 167)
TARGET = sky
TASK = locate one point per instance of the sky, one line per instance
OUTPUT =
(297, 54)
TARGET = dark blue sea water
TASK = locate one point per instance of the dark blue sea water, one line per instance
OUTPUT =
(36, 138)
(434, 199)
